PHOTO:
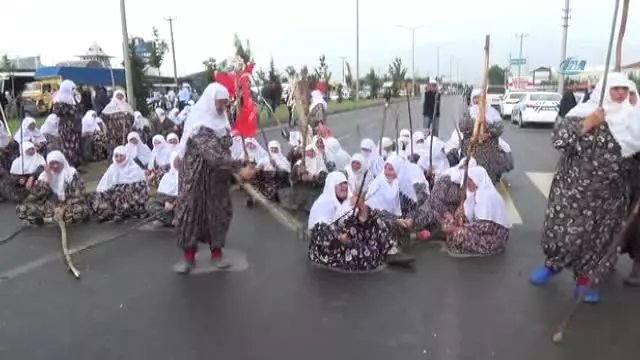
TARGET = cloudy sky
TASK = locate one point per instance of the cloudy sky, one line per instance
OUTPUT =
(297, 32)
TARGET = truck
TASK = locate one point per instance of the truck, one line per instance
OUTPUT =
(37, 95)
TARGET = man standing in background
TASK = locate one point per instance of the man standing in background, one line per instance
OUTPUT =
(431, 108)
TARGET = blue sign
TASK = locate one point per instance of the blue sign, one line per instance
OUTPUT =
(142, 47)
(572, 66)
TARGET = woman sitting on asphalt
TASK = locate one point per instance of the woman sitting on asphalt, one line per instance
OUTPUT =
(123, 191)
(24, 171)
(161, 206)
(159, 161)
(49, 130)
(272, 172)
(59, 192)
(307, 177)
(142, 127)
(138, 151)
(29, 132)
(94, 139)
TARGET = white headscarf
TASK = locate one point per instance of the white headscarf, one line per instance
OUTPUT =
(168, 185)
(139, 121)
(504, 145)
(375, 162)
(204, 114)
(160, 114)
(65, 93)
(336, 154)
(439, 161)
(237, 151)
(622, 118)
(182, 115)
(355, 177)
(30, 162)
(161, 153)
(327, 208)
(125, 173)
(58, 181)
(485, 203)
(418, 139)
(173, 136)
(412, 174)
(295, 138)
(634, 89)
(258, 153)
(50, 125)
(384, 194)
(317, 99)
(118, 106)
(281, 161)
(24, 134)
(90, 122)
(491, 115)
(454, 140)
(314, 165)
(139, 150)
(385, 143)
(456, 173)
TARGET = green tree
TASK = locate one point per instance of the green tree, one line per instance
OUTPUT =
(496, 75)
(272, 91)
(141, 88)
(397, 72)
(375, 83)
(242, 51)
(348, 79)
(291, 72)
(261, 77)
(210, 66)
(158, 49)
(5, 62)
(322, 72)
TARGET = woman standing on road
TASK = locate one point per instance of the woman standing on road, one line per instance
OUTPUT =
(70, 122)
(589, 194)
(118, 119)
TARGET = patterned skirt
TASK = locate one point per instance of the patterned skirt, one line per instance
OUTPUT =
(478, 238)
(121, 201)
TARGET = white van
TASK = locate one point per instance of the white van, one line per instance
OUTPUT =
(495, 93)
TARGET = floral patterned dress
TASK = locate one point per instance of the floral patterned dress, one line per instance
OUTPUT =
(632, 237)
(446, 197)
(156, 209)
(487, 153)
(41, 202)
(121, 201)
(118, 126)
(69, 116)
(588, 200)
(370, 241)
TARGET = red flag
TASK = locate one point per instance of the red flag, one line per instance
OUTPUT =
(249, 67)
(247, 120)
(227, 80)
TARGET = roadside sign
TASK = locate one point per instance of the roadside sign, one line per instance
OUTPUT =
(572, 66)
(518, 62)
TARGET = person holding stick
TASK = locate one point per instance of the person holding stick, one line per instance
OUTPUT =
(589, 195)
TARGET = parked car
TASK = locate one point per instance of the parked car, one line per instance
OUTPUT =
(536, 107)
(495, 93)
(511, 98)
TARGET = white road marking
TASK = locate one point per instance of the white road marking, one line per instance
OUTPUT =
(512, 211)
(542, 181)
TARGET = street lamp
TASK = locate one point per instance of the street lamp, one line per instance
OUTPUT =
(125, 54)
(413, 55)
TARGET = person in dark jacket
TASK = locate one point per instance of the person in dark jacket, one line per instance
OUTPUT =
(101, 100)
(85, 99)
(431, 108)
(567, 103)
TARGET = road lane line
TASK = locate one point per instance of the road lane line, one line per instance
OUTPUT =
(512, 211)
(344, 137)
(542, 181)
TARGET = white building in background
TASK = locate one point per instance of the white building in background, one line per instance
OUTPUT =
(96, 54)
(27, 62)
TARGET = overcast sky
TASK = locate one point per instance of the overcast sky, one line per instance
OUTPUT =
(296, 32)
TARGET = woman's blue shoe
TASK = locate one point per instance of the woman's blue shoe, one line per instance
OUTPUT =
(540, 275)
(591, 295)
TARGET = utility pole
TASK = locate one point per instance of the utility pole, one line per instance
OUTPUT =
(357, 50)
(413, 55)
(521, 36)
(344, 60)
(450, 68)
(127, 56)
(437, 62)
(173, 50)
(563, 46)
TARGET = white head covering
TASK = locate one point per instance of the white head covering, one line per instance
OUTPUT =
(204, 114)
(160, 114)
(336, 154)
(139, 121)
(327, 208)
(58, 181)
(456, 173)
(182, 115)
(454, 140)
(30, 162)
(139, 150)
(237, 151)
(258, 153)
(25, 134)
(317, 99)
(622, 118)
(384, 143)
(65, 93)
(295, 138)
(418, 139)
(50, 125)
(634, 89)
(485, 203)
(355, 177)
(375, 162)
(314, 165)
(168, 185)
(504, 145)
(118, 106)
(491, 115)
(384, 194)
(281, 161)
(125, 173)
(439, 159)
(90, 122)
(161, 153)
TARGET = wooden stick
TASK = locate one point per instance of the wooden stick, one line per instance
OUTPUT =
(384, 121)
(65, 248)
(621, 31)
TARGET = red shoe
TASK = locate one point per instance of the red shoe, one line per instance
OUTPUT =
(423, 234)
(216, 253)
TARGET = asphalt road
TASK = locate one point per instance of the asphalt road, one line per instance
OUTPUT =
(129, 304)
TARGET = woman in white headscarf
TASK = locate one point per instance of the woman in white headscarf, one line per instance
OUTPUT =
(357, 173)
(49, 131)
(433, 158)
(369, 151)
(336, 154)
(157, 121)
(9, 150)
(173, 141)
(487, 150)
(453, 147)
(485, 227)
(29, 132)
(296, 148)
(307, 178)
(507, 156)
(93, 138)
(632, 237)
(385, 147)
(123, 191)
(59, 192)
(589, 194)
(404, 142)
(384, 194)
(172, 123)
(162, 205)
(343, 236)
(159, 160)
(317, 110)
(118, 120)
(142, 126)
(69, 124)
(23, 173)
(203, 212)
(272, 172)
(139, 151)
